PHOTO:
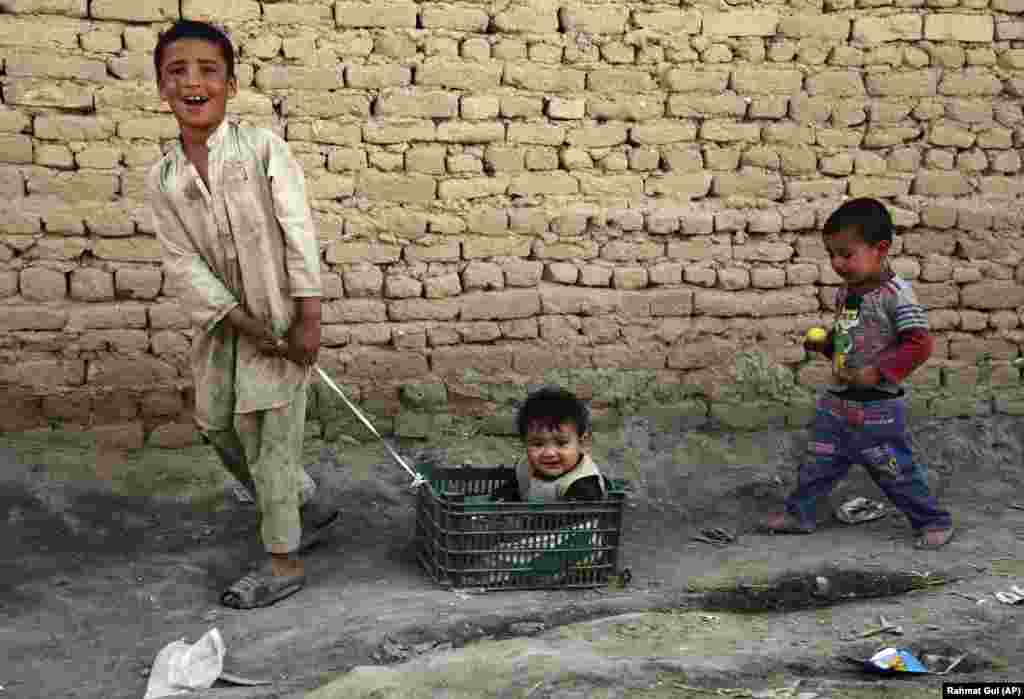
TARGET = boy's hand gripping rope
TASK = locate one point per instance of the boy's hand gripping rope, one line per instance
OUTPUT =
(417, 479)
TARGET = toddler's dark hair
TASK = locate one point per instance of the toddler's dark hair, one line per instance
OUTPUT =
(868, 217)
(550, 407)
(191, 29)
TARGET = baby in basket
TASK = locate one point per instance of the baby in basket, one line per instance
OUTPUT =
(555, 427)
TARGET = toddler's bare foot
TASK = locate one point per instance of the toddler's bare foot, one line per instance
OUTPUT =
(783, 523)
(933, 538)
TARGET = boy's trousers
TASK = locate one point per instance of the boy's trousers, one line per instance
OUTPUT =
(872, 433)
(263, 450)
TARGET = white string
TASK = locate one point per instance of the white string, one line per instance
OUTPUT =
(417, 479)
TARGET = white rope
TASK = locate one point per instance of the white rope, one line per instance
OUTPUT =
(417, 479)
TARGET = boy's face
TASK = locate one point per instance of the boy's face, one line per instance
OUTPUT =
(856, 261)
(552, 452)
(195, 84)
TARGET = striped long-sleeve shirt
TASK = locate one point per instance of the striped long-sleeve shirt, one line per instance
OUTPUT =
(891, 333)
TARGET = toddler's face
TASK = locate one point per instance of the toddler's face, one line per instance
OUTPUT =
(856, 261)
(553, 452)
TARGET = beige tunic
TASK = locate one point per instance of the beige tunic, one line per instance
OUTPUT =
(248, 240)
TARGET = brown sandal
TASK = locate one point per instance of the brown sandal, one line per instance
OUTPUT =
(261, 588)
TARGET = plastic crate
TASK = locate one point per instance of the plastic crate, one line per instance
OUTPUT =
(464, 540)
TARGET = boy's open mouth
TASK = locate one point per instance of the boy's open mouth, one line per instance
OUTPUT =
(195, 100)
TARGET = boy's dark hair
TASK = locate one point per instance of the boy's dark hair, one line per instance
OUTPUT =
(868, 217)
(191, 29)
(551, 407)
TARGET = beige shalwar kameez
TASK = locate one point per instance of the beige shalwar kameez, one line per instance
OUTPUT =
(246, 240)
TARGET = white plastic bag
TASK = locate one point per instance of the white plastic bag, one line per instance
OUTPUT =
(181, 667)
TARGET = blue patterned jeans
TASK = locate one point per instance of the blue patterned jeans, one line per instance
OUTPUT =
(872, 433)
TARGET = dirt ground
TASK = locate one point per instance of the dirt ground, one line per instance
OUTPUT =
(111, 556)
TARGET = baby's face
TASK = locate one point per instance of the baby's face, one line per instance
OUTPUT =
(553, 452)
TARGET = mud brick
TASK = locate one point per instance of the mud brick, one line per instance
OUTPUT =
(119, 406)
(675, 21)
(442, 286)
(740, 23)
(132, 372)
(757, 304)
(92, 284)
(489, 361)
(22, 413)
(139, 283)
(135, 11)
(107, 316)
(503, 305)
(161, 403)
(44, 374)
(537, 359)
(43, 284)
(646, 356)
(423, 309)
(387, 365)
(671, 302)
(70, 407)
(630, 278)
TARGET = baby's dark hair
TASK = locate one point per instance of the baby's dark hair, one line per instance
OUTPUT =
(868, 217)
(550, 407)
(191, 29)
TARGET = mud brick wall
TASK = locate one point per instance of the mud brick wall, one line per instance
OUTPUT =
(621, 196)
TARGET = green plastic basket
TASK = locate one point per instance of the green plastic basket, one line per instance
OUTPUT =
(465, 540)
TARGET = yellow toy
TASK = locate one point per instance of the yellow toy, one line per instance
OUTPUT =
(817, 335)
